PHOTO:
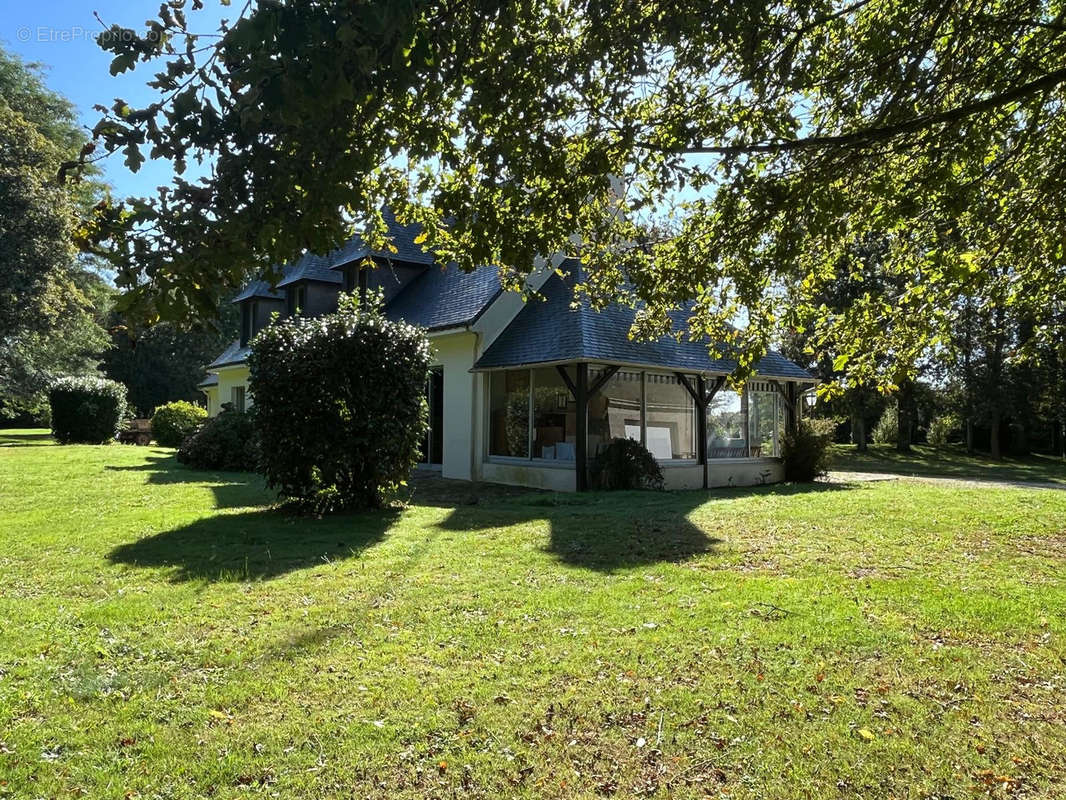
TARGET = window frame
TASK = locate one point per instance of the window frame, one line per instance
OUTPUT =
(530, 459)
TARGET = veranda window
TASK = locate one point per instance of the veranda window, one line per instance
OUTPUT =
(509, 414)
(670, 418)
(746, 425)
(726, 426)
(554, 416)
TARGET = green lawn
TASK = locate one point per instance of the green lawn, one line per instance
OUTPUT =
(949, 462)
(164, 633)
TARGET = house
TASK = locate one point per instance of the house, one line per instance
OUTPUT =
(527, 393)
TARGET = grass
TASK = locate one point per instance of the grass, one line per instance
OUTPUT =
(950, 461)
(166, 634)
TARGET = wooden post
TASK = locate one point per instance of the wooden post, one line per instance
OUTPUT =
(581, 445)
(793, 399)
(701, 426)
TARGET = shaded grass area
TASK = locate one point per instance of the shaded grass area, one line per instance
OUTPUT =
(24, 437)
(950, 461)
(166, 633)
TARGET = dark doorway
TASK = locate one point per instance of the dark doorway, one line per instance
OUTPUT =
(433, 444)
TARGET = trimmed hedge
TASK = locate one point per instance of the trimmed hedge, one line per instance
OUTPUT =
(226, 442)
(175, 422)
(806, 452)
(86, 410)
(626, 464)
(341, 401)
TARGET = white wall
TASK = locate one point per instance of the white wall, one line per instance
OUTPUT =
(462, 402)
(557, 479)
(744, 472)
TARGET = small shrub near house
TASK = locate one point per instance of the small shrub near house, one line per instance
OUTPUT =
(626, 464)
(175, 422)
(226, 442)
(340, 399)
(86, 410)
(805, 450)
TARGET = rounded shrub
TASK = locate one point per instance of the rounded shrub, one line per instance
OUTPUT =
(886, 431)
(86, 410)
(175, 422)
(945, 429)
(806, 450)
(341, 401)
(226, 442)
(626, 464)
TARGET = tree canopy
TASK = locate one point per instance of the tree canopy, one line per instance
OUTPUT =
(52, 303)
(728, 154)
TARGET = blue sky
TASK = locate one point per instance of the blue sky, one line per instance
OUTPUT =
(59, 34)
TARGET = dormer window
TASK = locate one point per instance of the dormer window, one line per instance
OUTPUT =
(248, 314)
(296, 299)
(355, 277)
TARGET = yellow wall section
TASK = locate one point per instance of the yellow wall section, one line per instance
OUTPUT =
(455, 352)
(211, 395)
(228, 377)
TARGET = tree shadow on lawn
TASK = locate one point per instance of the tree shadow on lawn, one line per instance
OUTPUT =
(609, 531)
(604, 531)
(231, 489)
(25, 438)
(256, 545)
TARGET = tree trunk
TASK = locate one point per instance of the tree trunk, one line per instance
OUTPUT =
(903, 417)
(969, 436)
(858, 432)
(995, 446)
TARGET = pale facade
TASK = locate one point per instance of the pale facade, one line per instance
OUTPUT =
(527, 394)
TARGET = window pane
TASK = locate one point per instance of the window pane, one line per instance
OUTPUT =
(670, 417)
(762, 423)
(509, 414)
(614, 412)
(554, 416)
(725, 426)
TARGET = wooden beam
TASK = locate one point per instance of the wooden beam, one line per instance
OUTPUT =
(581, 395)
(567, 380)
(701, 425)
(602, 380)
(697, 396)
(714, 389)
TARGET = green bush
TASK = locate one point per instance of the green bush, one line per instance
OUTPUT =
(175, 422)
(226, 442)
(341, 400)
(945, 429)
(886, 431)
(86, 410)
(805, 450)
(626, 464)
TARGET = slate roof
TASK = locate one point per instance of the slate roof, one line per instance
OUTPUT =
(402, 238)
(210, 380)
(445, 298)
(259, 288)
(310, 267)
(547, 330)
(234, 354)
